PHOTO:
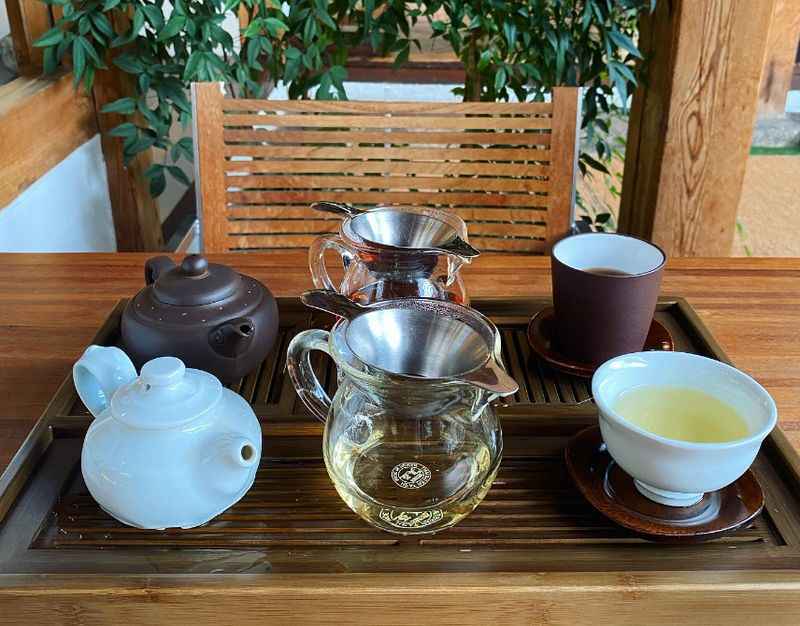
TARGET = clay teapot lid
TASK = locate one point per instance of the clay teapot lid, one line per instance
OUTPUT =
(194, 282)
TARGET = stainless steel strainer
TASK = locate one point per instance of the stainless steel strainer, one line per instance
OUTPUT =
(392, 227)
(415, 338)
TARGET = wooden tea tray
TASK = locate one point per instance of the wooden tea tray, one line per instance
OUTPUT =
(533, 551)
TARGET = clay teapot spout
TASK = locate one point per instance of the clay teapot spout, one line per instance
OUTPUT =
(233, 338)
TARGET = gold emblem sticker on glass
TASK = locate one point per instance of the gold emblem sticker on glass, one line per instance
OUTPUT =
(411, 519)
(410, 475)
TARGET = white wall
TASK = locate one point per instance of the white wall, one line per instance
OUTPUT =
(66, 210)
(4, 25)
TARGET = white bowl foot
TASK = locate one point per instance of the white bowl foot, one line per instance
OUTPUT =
(668, 498)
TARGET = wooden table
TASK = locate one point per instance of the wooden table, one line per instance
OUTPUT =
(51, 306)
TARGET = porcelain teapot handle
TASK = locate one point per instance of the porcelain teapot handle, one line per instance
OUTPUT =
(99, 373)
(316, 259)
(298, 364)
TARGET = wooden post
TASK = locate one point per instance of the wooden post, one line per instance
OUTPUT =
(209, 175)
(29, 20)
(776, 78)
(563, 163)
(691, 123)
(136, 219)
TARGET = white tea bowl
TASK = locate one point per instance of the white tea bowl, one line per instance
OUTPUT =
(670, 471)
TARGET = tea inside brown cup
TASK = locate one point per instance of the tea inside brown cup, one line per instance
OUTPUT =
(605, 290)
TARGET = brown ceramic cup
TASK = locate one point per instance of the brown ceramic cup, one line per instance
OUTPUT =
(605, 289)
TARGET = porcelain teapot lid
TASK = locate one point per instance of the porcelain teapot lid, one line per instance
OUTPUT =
(165, 395)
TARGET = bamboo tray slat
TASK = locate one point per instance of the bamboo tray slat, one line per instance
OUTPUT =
(292, 521)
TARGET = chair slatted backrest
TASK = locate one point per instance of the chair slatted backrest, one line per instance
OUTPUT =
(506, 168)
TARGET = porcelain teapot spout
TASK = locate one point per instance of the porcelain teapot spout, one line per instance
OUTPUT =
(99, 373)
(229, 463)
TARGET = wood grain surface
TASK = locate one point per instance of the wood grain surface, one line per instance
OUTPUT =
(776, 75)
(42, 120)
(136, 220)
(28, 20)
(52, 304)
(280, 156)
(605, 599)
(691, 127)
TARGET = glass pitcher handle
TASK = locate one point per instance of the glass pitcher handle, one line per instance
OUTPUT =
(316, 259)
(305, 381)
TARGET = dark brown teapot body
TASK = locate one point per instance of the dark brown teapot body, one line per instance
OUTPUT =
(208, 315)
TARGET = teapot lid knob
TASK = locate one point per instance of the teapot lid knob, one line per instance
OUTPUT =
(163, 371)
(194, 265)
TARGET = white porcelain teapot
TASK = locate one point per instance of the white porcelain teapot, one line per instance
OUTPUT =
(170, 448)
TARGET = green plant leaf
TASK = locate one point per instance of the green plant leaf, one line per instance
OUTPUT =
(179, 175)
(50, 38)
(90, 52)
(84, 25)
(402, 56)
(326, 19)
(127, 62)
(594, 163)
(253, 49)
(500, 79)
(49, 61)
(158, 183)
(309, 30)
(625, 42)
(125, 106)
(88, 78)
(274, 26)
(510, 32)
(626, 71)
(78, 61)
(126, 130)
(140, 144)
(102, 24)
(192, 64)
(338, 75)
(154, 16)
(173, 26)
(183, 148)
(154, 170)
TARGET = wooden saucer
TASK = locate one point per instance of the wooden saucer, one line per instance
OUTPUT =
(612, 492)
(541, 333)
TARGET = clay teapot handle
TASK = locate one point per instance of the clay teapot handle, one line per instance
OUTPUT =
(155, 267)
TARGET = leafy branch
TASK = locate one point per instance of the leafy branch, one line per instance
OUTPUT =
(304, 43)
(519, 48)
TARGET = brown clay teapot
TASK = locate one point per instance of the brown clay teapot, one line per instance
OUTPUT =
(208, 315)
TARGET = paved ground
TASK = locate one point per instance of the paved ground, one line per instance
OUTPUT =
(769, 211)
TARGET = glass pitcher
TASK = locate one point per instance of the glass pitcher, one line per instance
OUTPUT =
(391, 252)
(412, 442)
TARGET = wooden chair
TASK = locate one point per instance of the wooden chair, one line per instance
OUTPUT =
(506, 168)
